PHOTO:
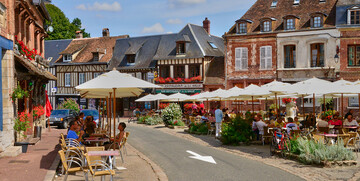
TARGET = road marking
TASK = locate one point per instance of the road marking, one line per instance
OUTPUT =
(202, 158)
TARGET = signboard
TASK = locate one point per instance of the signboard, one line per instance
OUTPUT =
(54, 89)
(183, 86)
(150, 75)
(183, 91)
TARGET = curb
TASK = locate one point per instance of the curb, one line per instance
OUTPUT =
(157, 170)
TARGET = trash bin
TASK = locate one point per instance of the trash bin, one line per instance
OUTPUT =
(37, 131)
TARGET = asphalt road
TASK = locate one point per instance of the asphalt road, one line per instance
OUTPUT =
(169, 152)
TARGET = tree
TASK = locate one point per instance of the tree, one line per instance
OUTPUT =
(62, 28)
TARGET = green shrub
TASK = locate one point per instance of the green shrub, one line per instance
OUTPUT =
(176, 123)
(69, 104)
(171, 114)
(141, 119)
(294, 144)
(193, 128)
(154, 120)
(202, 128)
(236, 131)
(199, 128)
(312, 152)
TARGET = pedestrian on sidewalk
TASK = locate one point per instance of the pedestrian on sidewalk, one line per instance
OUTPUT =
(218, 119)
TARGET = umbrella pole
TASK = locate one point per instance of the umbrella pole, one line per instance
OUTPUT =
(252, 105)
(359, 102)
(114, 102)
(107, 111)
(303, 106)
(342, 104)
(276, 105)
(110, 114)
(313, 104)
(324, 103)
(100, 113)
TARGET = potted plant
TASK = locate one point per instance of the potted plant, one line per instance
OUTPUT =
(22, 123)
(19, 93)
(38, 111)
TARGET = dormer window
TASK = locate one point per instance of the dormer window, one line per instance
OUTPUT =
(266, 26)
(96, 56)
(322, 1)
(67, 58)
(296, 2)
(317, 19)
(242, 28)
(274, 3)
(290, 22)
(130, 58)
(180, 48)
(355, 17)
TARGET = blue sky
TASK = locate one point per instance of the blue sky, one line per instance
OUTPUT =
(147, 17)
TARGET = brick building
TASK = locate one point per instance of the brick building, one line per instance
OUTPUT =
(285, 40)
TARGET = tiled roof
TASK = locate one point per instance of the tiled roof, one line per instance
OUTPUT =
(262, 9)
(33, 69)
(347, 2)
(84, 48)
(149, 49)
(54, 47)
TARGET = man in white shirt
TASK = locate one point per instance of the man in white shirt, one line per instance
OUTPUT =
(260, 125)
(218, 119)
(350, 121)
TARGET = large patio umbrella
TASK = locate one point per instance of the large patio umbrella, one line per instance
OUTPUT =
(277, 88)
(149, 97)
(120, 84)
(159, 96)
(177, 97)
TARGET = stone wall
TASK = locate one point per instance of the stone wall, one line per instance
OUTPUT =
(8, 82)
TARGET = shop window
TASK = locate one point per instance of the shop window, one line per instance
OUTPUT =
(194, 70)
(354, 55)
(317, 55)
(290, 56)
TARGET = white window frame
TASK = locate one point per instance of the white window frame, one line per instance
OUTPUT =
(355, 8)
(67, 79)
(274, 3)
(268, 27)
(287, 24)
(240, 29)
(241, 58)
(266, 58)
(296, 2)
(81, 78)
(67, 58)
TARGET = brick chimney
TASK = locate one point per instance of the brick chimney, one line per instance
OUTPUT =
(206, 25)
(106, 32)
(79, 34)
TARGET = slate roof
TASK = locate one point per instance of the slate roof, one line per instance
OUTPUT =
(149, 49)
(215, 74)
(347, 2)
(262, 9)
(54, 47)
(84, 48)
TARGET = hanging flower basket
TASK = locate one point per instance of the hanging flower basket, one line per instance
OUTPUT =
(19, 93)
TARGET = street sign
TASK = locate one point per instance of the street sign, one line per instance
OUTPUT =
(54, 89)
(150, 75)
(209, 159)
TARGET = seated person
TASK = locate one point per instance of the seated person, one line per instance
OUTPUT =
(290, 125)
(349, 121)
(74, 127)
(119, 137)
(280, 122)
(323, 122)
(89, 127)
(335, 121)
(205, 118)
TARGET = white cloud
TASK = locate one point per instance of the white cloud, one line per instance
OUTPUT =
(100, 7)
(174, 21)
(156, 28)
(184, 3)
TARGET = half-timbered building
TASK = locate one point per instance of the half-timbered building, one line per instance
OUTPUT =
(179, 62)
(82, 60)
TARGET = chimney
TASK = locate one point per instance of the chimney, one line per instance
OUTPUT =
(106, 32)
(206, 25)
(79, 34)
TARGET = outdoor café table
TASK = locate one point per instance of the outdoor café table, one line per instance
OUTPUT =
(110, 154)
(350, 128)
(96, 140)
(97, 135)
(329, 138)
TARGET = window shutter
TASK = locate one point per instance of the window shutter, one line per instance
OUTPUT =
(268, 57)
(238, 58)
(262, 58)
(244, 58)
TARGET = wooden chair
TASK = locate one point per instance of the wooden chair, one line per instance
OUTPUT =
(99, 168)
(323, 129)
(192, 119)
(267, 134)
(125, 140)
(211, 129)
(68, 165)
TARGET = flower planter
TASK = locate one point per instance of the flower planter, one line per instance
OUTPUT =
(24, 146)
(37, 131)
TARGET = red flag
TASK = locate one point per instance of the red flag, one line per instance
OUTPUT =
(48, 106)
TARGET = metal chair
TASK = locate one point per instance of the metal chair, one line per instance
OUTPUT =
(98, 168)
(67, 163)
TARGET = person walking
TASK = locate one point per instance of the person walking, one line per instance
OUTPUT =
(218, 119)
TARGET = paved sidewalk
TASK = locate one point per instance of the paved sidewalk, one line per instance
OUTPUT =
(41, 160)
(34, 164)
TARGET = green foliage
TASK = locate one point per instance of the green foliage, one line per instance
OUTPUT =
(22, 123)
(294, 146)
(327, 100)
(199, 128)
(312, 152)
(141, 119)
(63, 29)
(19, 93)
(177, 123)
(171, 113)
(236, 131)
(154, 120)
(70, 104)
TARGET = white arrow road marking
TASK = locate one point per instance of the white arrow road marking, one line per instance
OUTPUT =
(202, 158)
